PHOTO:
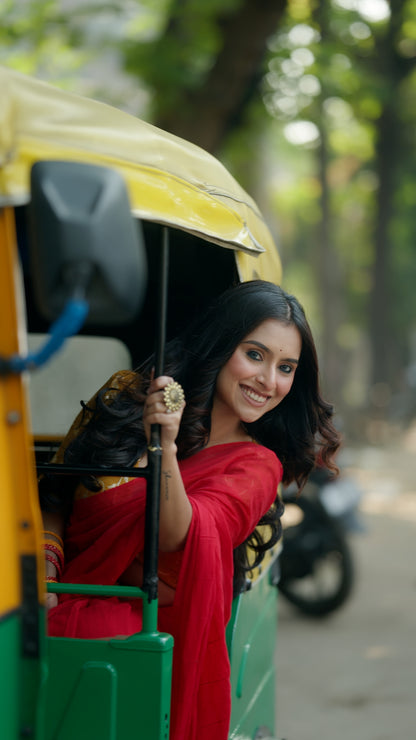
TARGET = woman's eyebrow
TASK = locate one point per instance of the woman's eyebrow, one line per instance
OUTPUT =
(266, 349)
(258, 344)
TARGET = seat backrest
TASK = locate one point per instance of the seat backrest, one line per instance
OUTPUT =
(76, 373)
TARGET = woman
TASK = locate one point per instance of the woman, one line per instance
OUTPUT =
(253, 417)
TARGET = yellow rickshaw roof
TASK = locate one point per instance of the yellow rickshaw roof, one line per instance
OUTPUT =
(170, 180)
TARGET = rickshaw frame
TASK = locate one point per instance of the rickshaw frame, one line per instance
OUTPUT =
(221, 213)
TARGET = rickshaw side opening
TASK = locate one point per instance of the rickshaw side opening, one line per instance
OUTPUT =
(103, 671)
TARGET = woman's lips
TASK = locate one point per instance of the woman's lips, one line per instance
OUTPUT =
(254, 396)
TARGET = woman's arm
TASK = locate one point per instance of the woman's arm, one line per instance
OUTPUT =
(175, 508)
(53, 525)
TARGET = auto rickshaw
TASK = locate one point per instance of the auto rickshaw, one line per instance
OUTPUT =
(80, 180)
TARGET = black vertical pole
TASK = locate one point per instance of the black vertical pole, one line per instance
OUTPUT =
(151, 545)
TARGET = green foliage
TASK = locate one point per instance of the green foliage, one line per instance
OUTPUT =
(35, 40)
(333, 72)
(178, 58)
(308, 147)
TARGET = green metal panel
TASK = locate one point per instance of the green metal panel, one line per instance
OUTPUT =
(251, 637)
(9, 672)
(108, 690)
(20, 681)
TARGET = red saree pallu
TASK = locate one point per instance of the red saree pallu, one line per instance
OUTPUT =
(230, 487)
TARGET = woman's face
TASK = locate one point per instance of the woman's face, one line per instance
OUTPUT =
(260, 372)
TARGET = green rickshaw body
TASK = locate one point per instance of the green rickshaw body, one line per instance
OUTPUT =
(251, 639)
(56, 688)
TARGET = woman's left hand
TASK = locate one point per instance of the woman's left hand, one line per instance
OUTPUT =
(156, 412)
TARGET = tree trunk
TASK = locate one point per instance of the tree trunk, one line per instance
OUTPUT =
(381, 335)
(207, 114)
(329, 283)
(388, 145)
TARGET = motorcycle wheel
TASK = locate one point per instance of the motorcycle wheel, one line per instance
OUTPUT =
(316, 564)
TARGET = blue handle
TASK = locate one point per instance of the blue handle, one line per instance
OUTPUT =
(66, 325)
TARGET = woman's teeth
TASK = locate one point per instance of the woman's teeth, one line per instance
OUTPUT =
(254, 396)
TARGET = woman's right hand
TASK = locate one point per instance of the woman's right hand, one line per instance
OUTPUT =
(51, 571)
(51, 600)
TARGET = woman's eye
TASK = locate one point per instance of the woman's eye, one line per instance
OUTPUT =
(287, 369)
(254, 354)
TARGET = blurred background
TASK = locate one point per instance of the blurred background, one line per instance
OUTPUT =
(312, 107)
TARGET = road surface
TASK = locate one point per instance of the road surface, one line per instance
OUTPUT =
(352, 676)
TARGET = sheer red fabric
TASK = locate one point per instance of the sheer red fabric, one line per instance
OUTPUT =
(230, 487)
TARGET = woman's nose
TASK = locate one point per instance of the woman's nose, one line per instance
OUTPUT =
(267, 378)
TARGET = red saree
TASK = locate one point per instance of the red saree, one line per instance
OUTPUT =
(230, 487)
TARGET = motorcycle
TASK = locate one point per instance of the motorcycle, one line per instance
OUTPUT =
(316, 569)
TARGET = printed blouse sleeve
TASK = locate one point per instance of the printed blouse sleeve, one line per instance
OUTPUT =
(238, 493)
(115, 384)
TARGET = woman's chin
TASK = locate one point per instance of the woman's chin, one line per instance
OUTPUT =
(252, 415)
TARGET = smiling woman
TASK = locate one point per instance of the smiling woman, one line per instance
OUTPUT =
(257, 377)
(252, 416)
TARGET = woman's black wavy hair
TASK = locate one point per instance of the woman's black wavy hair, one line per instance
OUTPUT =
(298, 430)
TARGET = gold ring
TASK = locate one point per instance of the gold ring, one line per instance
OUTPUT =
(155, 448)
(173, 397)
